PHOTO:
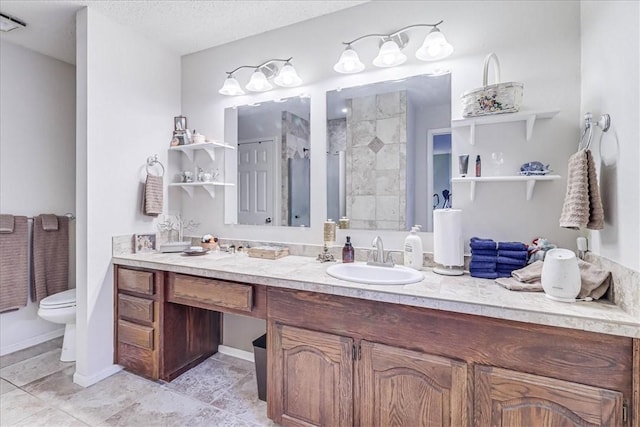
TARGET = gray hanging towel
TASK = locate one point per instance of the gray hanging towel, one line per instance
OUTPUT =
(152, 198)
(50, 258)
(13, 264)
(582, 204)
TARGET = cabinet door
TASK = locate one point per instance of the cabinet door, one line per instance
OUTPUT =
(510, 398)
(311, 377)
(407, 388)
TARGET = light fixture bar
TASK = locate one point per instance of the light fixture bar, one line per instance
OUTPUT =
(391, 35)
(285, 77)
(8, 23)
(434, 47)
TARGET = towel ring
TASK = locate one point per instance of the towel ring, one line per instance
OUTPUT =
(151, 162)
(603, 123)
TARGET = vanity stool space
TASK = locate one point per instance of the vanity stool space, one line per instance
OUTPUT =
(166, 323)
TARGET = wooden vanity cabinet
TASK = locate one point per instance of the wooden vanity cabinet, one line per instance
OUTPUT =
(153, 337)
(509, 398)
(415, 367)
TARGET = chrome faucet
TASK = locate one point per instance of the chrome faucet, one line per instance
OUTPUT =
(378, 253)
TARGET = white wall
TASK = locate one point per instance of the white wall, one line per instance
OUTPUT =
(548, 64)
(611, 84)
(37, 173)
(538, 43)
(128, 94)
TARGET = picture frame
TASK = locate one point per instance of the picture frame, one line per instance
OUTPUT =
(179, 123)
(144, 243)
(178, 139)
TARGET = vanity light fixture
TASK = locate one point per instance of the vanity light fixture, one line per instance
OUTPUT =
(434, 47)
(259, 81)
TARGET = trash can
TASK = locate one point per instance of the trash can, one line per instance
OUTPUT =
(260, 356)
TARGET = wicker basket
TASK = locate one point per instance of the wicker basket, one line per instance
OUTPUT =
(492, 99)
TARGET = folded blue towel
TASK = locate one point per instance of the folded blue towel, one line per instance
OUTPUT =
(484, 252)
(484, 274)
(514, 254)
(511, 261)
(483, 245)
(503, 274)
(512, 246)
(482, 265)
(483, 258)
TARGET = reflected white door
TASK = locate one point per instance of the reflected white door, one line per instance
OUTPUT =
(255, 182)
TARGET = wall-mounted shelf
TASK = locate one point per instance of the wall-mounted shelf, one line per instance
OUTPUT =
(209, 186)
(529, 180)
(209, 147)
(529, 117)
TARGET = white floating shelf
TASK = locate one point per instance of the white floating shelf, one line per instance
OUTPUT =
(209, 147)
(529, 180)
(209, 186)
(529, 117)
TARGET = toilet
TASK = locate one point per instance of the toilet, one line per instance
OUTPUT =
(61, 308)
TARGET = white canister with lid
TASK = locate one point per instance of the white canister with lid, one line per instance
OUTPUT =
(561, 275)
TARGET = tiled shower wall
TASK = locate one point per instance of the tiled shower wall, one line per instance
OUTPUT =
(376, 161)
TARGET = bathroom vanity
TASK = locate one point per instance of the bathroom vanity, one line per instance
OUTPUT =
(448, 351)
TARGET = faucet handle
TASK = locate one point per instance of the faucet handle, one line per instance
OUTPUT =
(390, 257)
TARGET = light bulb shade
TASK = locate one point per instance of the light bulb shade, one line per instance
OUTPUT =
(288, 77)
(231, 87)
(349, 62)
(259, 82)
(389, 55)
(435, 47)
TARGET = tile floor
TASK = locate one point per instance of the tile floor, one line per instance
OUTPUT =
(36, 389)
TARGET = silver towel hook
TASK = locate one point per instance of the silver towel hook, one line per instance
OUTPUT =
(604, 123)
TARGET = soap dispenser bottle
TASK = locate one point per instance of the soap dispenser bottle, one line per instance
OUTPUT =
(347, 251)
(413, 249)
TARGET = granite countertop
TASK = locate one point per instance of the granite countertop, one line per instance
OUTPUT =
(460, 294)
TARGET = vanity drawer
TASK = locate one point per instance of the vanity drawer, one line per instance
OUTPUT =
(134, 334)
(135, 281)
(210, 293)
(135, 308)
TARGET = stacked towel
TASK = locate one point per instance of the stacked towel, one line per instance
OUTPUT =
(484, 258)
(50, 258)
(490, 259)
(13, 262)
(582, 203)
(594, 281)
(511, 256)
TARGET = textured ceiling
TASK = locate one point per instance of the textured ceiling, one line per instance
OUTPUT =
(184, 26)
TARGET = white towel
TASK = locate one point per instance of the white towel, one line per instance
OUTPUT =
(582, 204)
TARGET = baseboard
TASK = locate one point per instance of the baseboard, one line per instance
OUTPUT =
(12, 348)
(86, 381)
(236, 352)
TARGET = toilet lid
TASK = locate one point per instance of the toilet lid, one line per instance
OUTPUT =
(61, 299)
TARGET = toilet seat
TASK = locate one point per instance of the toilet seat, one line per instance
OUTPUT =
(60, 300)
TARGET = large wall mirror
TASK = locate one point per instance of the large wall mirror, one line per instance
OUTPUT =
(274, 163)
(389, 152)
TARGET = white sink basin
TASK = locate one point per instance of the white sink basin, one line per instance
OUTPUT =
(374, 275)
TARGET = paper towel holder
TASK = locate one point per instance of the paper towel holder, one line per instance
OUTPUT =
(450, 263)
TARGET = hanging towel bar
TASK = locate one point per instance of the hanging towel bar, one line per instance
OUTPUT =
(604, 123)
(152, 161)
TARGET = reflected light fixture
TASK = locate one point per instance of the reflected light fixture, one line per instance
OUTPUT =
(8, 23)
(434, 47)
(259, 81)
